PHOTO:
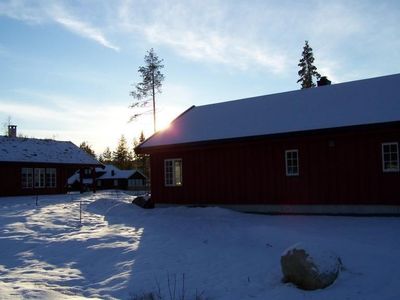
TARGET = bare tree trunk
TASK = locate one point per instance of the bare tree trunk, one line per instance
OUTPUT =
(154, 104)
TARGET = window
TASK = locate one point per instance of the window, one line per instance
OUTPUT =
(135, 182)
(292, 162)
(173, 172)
(27, 178)
(390, 157)
(51, 177)
(98, 183)
(40, 178)
(115, 182)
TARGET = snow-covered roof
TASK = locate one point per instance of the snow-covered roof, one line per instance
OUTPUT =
(43, 151)
(110, 172)
(361, 102)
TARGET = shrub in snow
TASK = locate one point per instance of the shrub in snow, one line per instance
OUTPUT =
(309, 268)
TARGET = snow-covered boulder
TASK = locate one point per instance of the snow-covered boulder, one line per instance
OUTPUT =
(309, 267)
(143, 201)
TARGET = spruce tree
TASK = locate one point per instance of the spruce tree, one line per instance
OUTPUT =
(142, 161)
(146, 90)
(87, 148)
(307, 68)
(122, 157)
(106, 156)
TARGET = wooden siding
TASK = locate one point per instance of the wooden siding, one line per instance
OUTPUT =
(11, 183)
(340, 166)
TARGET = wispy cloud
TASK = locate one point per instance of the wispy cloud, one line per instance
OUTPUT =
(81, 28)
(55, 11)
(68, 117)
(207, 35)
(255, 35)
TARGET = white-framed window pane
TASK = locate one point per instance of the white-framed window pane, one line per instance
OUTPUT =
(178, 172)
(27, 178)
(40, 177)
(173, 172)
(390, 157)
(51, 177)
(292, 162)
(168, 173)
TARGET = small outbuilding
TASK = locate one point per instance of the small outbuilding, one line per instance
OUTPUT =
(31, 166)
(330, 149)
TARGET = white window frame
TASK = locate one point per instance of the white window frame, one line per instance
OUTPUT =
(27, 178)
(289, 162)
(39, 178)
(390, 161)
(173, 172)
(51, 177)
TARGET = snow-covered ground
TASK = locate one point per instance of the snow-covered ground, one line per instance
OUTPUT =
(121, 250)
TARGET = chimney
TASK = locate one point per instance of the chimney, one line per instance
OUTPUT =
(323, 81)
(12, 131)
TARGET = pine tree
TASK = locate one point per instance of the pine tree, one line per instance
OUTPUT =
(307, 69)
(142, 161)
(146, 90)
(106, 156)
(87, 148)
(122, 157)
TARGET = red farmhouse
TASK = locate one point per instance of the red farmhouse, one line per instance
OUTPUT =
(329, 149)
(35, 166)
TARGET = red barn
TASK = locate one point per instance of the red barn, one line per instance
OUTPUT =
(37, 166)
(329, 149)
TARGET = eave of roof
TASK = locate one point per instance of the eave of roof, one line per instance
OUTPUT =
(362, 102)
(334, 130)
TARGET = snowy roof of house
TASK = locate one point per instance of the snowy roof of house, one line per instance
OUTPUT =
(361, 102)
(108, 174)
(43, 151)
(117, 174)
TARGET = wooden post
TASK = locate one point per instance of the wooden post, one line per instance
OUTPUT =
(94, 179)
(81, 172)
(80, 212)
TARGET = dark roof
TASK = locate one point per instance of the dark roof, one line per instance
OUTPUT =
(361, 102)
(43, 151)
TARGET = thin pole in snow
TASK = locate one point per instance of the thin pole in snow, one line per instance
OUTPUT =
(80, 212)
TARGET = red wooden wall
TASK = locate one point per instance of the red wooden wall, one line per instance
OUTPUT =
(10, 179)
(342, 166)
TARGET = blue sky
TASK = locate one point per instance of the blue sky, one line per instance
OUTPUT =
(67, 66)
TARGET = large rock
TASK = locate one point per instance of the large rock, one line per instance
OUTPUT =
(143, 201)
(310, 268)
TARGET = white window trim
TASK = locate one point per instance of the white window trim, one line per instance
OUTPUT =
(28, 183)
(174, 183)
(38, 173)
(383, 157)
(49, 173)
(286, 162)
